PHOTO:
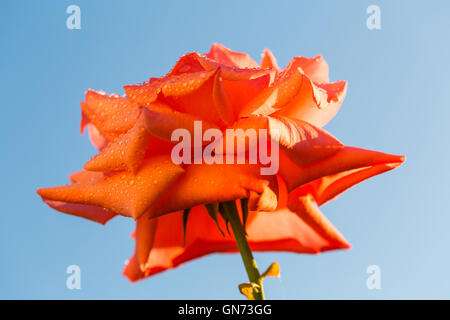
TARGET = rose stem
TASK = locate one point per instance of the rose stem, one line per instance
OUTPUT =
(246, 253)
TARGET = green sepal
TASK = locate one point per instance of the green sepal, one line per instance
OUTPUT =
(272, 271)
(224, 215)
(249, 289)
(185, 219)
(213, 209)
(244, 207)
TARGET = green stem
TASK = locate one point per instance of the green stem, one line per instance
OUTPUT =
(246, 253)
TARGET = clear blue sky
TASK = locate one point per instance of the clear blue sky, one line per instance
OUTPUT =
(397, 102)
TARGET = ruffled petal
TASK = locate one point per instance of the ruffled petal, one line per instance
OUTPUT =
(241, 91)
(241, 85)
(211, 84)
(315, 68)
(125, 153)
(329, 187)
(316, 104)
(97, 139)
(90, 212)
(346, 159)
(268, 60)
(276, 96)
(234, 73)
(207, 101)
(307, 210)
(112, 115)
(200, 94)
(287, 232)
(84, 121)
(186, 83)
(175, 85)
(149, 137)
(302, 142)
(162, 121)
(143, 94)
(133, 270)
(210, 183)
(124, 193)
(194, 62)
(230, 58)
(145, 237)
(189, 63)
(264, 201)
(295, 95)
(86, 176)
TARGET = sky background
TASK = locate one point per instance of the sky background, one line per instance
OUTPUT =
(397, 102)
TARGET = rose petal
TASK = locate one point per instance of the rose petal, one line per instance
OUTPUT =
(97, 139)
(307, 210)
(86, 176)
(145, 237)
(317, 108)
(329, 187)
(302, 142)
(207, 101)
(90, 212)
(188, 63)
(273, 98)
(241, 91)
(234, 73)
(124, 153)
(230, 58)
(123, 192)
(295, 95)
(287, 232)
(112, 115)
(143, 94)
(347, 158)
(268, 60)
(162, 121)
(186, 83)
(210, 183)
(315, 68)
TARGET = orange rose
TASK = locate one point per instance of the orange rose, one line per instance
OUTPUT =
(133, 175)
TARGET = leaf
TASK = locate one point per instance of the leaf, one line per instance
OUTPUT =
(213, 209)
(247, 289)
(272, 271)
(185, 218)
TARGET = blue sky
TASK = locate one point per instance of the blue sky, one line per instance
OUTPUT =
(396, 102)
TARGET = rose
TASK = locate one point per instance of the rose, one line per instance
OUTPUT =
(133, 174)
